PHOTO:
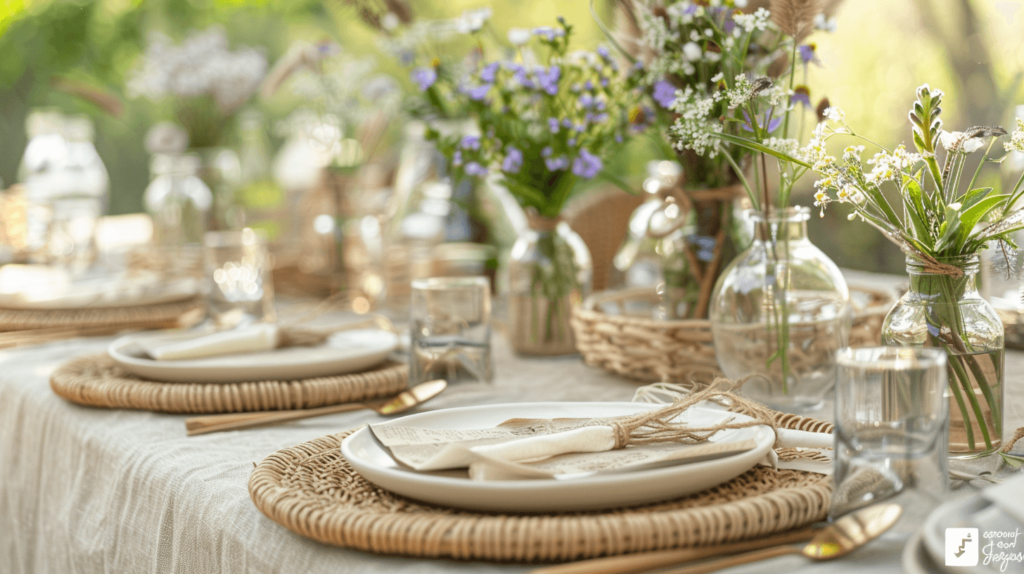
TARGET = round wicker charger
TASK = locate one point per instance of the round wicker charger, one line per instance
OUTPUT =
(311, 490)
(141, 316)
(645, 349)
(98, 381)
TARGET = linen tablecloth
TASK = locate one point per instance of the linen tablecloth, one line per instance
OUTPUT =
(86, 490)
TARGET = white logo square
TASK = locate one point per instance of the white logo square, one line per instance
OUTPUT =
(962, 546)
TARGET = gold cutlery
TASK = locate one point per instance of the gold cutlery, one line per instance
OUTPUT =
(390, 406)
(833, 541)
(644, 561)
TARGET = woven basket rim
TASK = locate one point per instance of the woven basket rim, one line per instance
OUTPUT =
(589, 310)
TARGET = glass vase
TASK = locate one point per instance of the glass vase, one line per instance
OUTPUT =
(780, 312)
(550, 273)
(945, 311)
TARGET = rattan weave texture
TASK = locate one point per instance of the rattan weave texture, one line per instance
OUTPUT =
(311, 490)
(98, 381)
(137, 317)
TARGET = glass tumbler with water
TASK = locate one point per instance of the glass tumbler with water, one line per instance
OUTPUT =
(451, 330)
(238, 282)
(891, 428)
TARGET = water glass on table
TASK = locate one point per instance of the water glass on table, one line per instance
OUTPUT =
(450, 330)
(891, 429)
(238, 284)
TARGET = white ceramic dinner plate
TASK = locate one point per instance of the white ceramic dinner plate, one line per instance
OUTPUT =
(343, 352)
(36, 287)
(455, 489)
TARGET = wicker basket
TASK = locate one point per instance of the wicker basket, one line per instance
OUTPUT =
(614, 331)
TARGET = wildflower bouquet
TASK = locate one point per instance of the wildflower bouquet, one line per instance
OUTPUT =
(206, 82)
(545, 120)
(941, 220)
(726, 79)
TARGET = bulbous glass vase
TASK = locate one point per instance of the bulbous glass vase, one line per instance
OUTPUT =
(779, 313)
(945, 310)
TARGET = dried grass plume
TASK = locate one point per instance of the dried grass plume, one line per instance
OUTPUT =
(795, 17)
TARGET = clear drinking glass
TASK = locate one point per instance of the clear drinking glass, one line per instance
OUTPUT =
(891, 428)
(238, 284)
(451, 330)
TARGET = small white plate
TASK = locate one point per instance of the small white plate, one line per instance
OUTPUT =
(38, 287)
(344, 352)
(366, 455)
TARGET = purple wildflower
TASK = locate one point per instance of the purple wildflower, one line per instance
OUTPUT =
(587, 165)
(470, 142)
(664, 93)
(513, 161)
(477, 93)
(547, 80)
(474, 168)
(548, 33)
(605, 82)
(729, 26)
(553, 125)
(488, 72)
(546, 152)
(603, 52)
(801, 94)
(424, 78)
(770, 125)
(690, 10)
(807, 53)
(566, 123)
(589, 85)
(557, 163)
(571, 142)
(586, 100)
(618, 138)
(457, 158)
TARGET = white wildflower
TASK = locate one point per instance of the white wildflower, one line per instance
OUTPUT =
(720, 76)
(834, 114)
(821, 22)
(518, 36)
(852, 154)
(787, 146)
(472, 21)
(750, 22)
(1016, 142)
(692, 51)
(949, 139)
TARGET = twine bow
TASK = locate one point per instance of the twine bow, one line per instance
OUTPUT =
(655, 426)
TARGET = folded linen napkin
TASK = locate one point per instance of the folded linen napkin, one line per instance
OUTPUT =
(252, 339)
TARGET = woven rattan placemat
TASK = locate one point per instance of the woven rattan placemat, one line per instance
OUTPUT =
(311, 490)
(141, 316)
(98, 381)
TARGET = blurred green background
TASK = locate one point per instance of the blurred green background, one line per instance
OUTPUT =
(882, 50)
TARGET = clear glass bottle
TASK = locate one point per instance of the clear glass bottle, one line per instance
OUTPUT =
(178, 201)
(550, 272)
(259, 196)
(67, 187)
(638, 262)
(947, 312)
(779, 313)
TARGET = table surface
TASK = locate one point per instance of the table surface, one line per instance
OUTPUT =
(95, 490)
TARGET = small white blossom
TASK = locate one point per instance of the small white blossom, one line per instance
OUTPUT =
(750, 22)
(692, 51)
(834, 114)
(824, 24)
(787, 146)
(518, 36)
(472, 21)
(1016, 142)
(720, 76)
(949, 139)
